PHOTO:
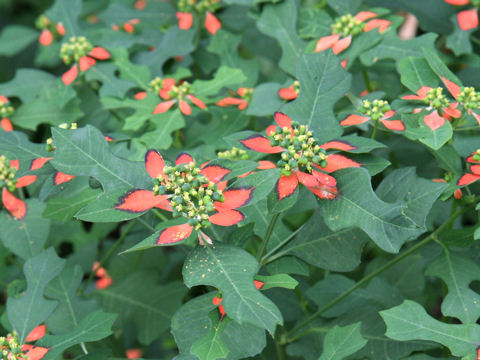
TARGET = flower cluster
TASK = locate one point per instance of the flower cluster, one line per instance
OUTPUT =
(7, 174)
(181, 93)
(378, 111)
(50, 30)
(474, 174)
(195, 193)
(467, 19)
(186, 9)
(6, 110)
(245, 97)
(11, 349)
(192, 194)
(346, 27)
(78, 50)
(291, 92)
(302, 159)
(233, 154)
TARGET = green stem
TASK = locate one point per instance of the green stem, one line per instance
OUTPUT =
(263, 245)
(107, 256)
(268, 258)
(367, 80)
(374, 133)
(374, 274)
(159, 214)
(280, 351)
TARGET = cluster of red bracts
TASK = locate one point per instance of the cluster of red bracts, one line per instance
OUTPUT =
(226, 213)
(386, 120)
(474, 174)
(85, 63)
(128, 27)
(241, 102)
(185, 21)
(467, 19)
(103, 280)
(29, 351)
(436, 119)
(217, 300)
(318, 182)
(46, 37)
(338, 43)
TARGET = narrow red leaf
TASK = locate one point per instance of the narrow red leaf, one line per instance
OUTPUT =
(283, 120)
(434, 120)
(342, 45)
(46, 38)
(136, 201)
(163, 106)
(286, 186)
(229, 101)
(340, 145)
(381, 24)
(468, 19)
(326, 42)
(288, 93)
(174, 234)
(15, 164)
(235, 198)
(25, 181)
(36, 353)
(86, 62)
(154, 163)
(184, 158)
(215, 173)
(69, 76)
(226, 218)
(467, 179)
(336, 162)
(38, 163)
(354, 119)
(265, 165)
(324, 179)
(61, 29)
(140, 95)
(324, 192)
(212, 24)
(307, 179)
(99, 53)
(199, 103)
(184, 107)
(393, 125)
(185, 20)
(60, 178)
(365, 15)
(37, 333)
(453, 88)
(6, 124)
(15, 206)
(457, 2)
(261, 144)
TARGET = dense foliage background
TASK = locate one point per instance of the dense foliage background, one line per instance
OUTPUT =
(265, 179)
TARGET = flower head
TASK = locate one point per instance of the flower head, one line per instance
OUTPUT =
(245, 96)
(11, 349)
(181, 93)
(6, 111)
(377, 110)
(81, 53)
(202, 8)
(474, 164)
(302, 159)
(346, 27)
(50, 30)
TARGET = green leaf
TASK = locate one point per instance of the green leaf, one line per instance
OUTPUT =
(395, 49)
(438, 66)
(343, 7)
(277, 280)
(191, 323)
(459, 40)
(415, 73)
(111, 85)
(164, 125)
(322, 83)
(85, 152)
(76, 195)
(231, 270)
(222, 44)
(27, 84)
(66, 12)
(416, 129)
(317, 245)
(139, 74)
(26, 237)
(418, 194)
(95, 326)
(340, 342)
(18, 144)
(410, 321)
(359, 206)
(138, 298)
(265, 100)
(212, 346)
(224, 77)
(263, 181)
(313, 23)
(71, 309)
(458, 272)
(15, 38)
(31, 309)
(279, 21)
(155, 14)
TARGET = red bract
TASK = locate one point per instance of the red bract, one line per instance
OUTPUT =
(378, 110)
(439, 108)
(205, 9)
(128, 26)
(242, 102)
(82, 54)
(35, 352)
(50, 30)
(346, 27)
(181, 94)
(16, 207)
(302, 160)
(474, 174)
(291, 92)
(467, 19)
(103, 279)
